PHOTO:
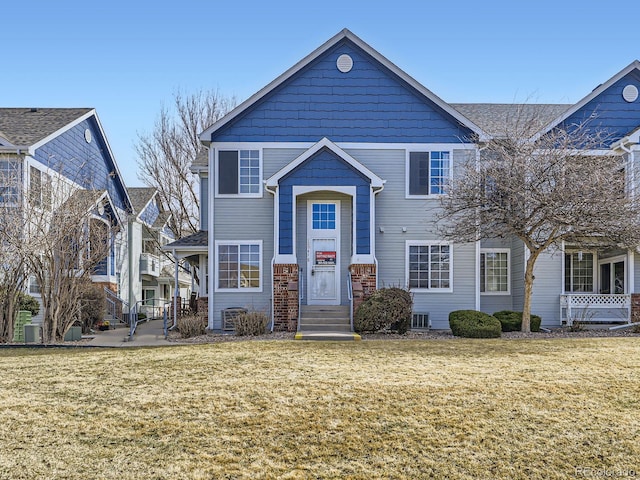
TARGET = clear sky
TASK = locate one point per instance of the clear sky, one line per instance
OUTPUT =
(127, 58)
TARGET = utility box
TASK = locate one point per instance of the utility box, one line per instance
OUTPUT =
(32, 333)
(24, 317)
(74, 334)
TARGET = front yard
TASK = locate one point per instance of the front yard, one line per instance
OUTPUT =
(283, 409)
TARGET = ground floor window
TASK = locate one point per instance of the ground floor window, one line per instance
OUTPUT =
(238, 265)
(494, 271)
(578, 272)
(429, 266)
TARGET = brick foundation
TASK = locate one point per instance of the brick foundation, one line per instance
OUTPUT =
(203, 306)
(363, 280)
(285, 297)
(635, 307)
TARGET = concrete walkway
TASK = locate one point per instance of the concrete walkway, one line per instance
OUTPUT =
(148, 334)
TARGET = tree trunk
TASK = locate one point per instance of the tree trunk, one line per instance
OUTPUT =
(528, 290)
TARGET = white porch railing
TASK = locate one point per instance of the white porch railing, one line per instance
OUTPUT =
(593, 307)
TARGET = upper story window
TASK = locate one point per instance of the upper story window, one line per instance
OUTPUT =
(9, 182)
(428, 173)
(239, 172)
(39, 188)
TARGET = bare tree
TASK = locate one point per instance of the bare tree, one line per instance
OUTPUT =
(562, 186)
(12, 258)
(166, 155)
(64, 241)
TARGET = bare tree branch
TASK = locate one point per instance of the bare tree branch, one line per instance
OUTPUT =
(566, 185)
(165, 156)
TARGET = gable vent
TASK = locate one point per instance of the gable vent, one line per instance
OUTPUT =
(630, 93)
(344, 63)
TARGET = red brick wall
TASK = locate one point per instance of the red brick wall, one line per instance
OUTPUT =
(635, 307)
(285, 297)
(363, 279)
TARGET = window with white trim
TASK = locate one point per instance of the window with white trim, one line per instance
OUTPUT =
(239, 172)
(578, 272)
(239, 265)
(9, 181)
(494, 271)
(429, 266)
(39, 188)
(428, 173)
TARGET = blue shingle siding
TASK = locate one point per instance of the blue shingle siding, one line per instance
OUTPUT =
(150, 214)
(610, 111)
(367, 104)
(325, 168)
(87, 164)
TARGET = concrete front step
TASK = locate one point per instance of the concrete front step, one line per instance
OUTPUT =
(325, 327)
(331, 336)
(322, 311)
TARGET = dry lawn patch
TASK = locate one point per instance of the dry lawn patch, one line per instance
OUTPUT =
(285, 409)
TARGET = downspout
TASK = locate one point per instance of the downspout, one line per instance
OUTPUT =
(275, 246)
(373, 233)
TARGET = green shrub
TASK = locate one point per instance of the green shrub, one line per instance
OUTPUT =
(192, 325)
(251, 323)
(385, 308)
(93, 306)
(512, 321)
(27, 302)
(474, 324)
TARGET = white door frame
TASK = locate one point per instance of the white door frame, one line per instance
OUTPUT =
(311, 257)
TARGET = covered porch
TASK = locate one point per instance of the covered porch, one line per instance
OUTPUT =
(598, 285)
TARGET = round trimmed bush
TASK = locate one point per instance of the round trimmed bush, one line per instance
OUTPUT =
(385, 308)
(512, 321)
(474, 324)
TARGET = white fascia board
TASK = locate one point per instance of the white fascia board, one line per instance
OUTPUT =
(344, 34)
(60, 131)
(376, 182)
(635, 65)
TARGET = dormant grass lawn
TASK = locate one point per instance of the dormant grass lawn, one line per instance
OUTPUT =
(285, 409)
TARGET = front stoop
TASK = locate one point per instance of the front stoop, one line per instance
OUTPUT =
(325, 323)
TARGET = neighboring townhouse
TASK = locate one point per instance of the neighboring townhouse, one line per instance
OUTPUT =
(327, 181)
(41, 147)
(152, 268)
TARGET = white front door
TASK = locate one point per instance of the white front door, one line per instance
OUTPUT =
(323, 253)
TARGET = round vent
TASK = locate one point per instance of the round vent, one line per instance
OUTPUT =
(630, 93)
(344, 63)
(87, 135)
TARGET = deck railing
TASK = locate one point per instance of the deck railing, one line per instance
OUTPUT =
(594, 307)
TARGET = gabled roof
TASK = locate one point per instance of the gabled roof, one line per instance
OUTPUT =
(344, 34)
(140, 197)
(376, 182)
(27, 126)
(91, 199)
(635, 65)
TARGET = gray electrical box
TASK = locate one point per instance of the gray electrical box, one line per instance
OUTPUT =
(74, 334)
(32, 333)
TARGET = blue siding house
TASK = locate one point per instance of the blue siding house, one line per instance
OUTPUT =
(40, 147)
(323, 185)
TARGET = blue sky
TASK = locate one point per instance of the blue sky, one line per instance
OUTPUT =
(127, 58)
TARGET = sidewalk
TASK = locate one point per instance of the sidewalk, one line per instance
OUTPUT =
(148, 334)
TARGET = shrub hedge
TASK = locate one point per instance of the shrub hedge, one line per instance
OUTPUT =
(474, 324)
(512, 321)
(385, 308)
(192, 325)
(251, 323)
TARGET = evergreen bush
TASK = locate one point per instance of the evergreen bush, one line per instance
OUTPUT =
(385, 308)
(512, 321)
(474, 324)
